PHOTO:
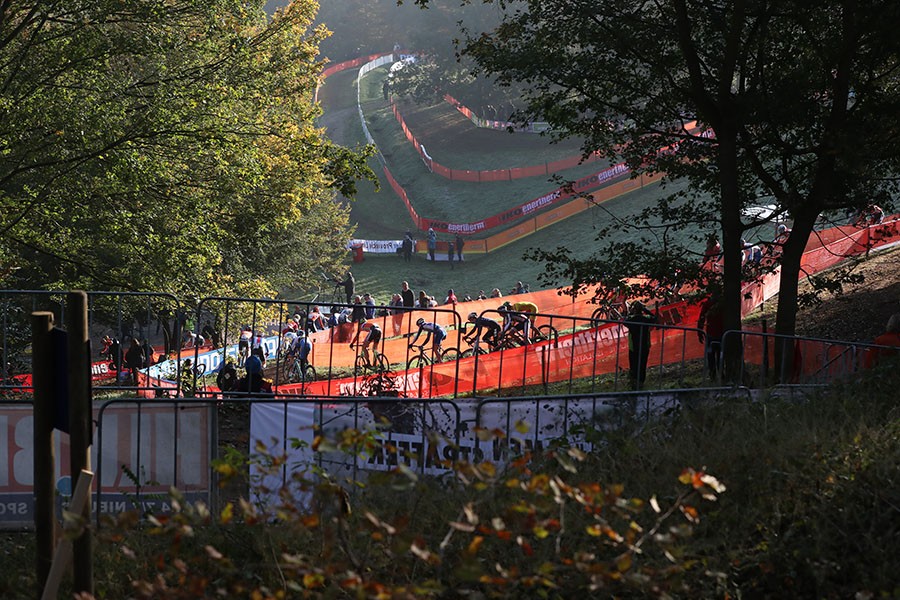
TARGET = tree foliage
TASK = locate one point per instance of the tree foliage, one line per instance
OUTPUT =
(792, 104)
(166, 145)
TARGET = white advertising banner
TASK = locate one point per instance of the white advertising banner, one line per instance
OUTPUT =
(428, 436)
(377, 246)
(142, 452)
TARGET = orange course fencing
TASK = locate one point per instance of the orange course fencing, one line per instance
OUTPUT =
(491, 175)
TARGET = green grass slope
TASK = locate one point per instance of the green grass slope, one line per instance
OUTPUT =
(382, 215)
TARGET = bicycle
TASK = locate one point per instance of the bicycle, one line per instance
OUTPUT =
(475, 348)
(363, 364)
(609, 311)
(192, 382)
(423, 359)
(295, 372)
(612, 306)
(544, 333)
(243, 352)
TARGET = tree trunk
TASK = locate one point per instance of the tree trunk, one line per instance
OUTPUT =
(732, 230)
(786, 315)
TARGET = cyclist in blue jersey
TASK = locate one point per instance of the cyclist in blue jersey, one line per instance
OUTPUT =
(301, 348)
(430, 329)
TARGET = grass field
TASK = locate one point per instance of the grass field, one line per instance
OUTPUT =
(381, 215)
(454, 140)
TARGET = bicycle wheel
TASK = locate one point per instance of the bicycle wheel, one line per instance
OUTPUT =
(450, 354)
(309, 374)
(361, 365)
(381, 363)
(418, 362)
(287, 371)
(477, 350)
(546, 332)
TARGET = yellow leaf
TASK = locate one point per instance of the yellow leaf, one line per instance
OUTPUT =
(227, 514)
(475, 544)
(624, 563)
(594, 530)
(488, 469)
(522, 427)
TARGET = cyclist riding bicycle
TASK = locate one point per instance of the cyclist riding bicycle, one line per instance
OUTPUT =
(373, 336)
(430, 329)
(517, 320)
(483, 323)
(288, 335)
(244, 341)
(300, 349)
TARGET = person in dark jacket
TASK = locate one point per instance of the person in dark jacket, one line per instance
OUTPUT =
(134, 359)
(711, 326)
(409, 297)
(638, 322)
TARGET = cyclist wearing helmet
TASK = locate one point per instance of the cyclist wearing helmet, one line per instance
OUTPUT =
(480, 323)
(513, 319)
(288, 336)
(373, 336)
(244, 344)
(301, 348)
(526, 307)
(430, 328)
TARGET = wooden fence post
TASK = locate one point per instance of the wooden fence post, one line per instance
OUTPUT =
(80, 429)
(44, 453)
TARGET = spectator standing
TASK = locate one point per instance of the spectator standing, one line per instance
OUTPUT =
(712, 254)
(409, 299)
(359, 310)
(638, 322)
(450, 253)
(149, 352)
(407, 246)
(424, 300)
(890, 337)
(349, 284)
(397, 311)
(459, 247)
(481, 295)
(432, 243)
(451, 298)
(496, 293)
(134, 359)
(370, 306)
(711, 325)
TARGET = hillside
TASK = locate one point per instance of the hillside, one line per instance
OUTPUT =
(859, 313)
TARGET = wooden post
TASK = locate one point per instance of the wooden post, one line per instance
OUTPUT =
(81, 498)
(80, 429)
(44, 453)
